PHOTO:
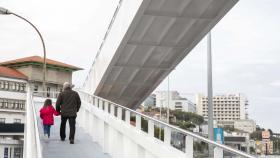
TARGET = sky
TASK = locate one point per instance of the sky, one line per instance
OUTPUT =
(245, 45)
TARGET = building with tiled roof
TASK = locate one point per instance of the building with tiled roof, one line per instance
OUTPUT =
(11, 73)
(31, 69)
(37, 60)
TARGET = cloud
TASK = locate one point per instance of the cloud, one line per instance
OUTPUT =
(275, 83)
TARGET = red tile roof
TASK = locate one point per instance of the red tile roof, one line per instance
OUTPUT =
(39, 59)
(11, 73)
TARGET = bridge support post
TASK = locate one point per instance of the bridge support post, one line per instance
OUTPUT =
(101, 132)
(151, 128)
(127, 117)
(106, 107)
(138, 122)
(189, 146)
(100, 105)
(112, 109)
(106, 138)
(167, 135)
(93, 128)
(120, 113)
(218, 152)
(96, 102)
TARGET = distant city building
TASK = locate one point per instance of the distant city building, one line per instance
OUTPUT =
(226, 108)
(175, 102)
(57, 72)
(245, 125)
(150, 101)
(238, 140)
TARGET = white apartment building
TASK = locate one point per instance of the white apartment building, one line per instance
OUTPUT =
(175, 101)
(12, 112)
(245, 125)
(227, 108)
(150, 101)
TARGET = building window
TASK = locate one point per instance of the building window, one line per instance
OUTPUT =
(18, 152)
(48, 91)
(6, 85)
(17, 120)
(2, 120)
(36, 88)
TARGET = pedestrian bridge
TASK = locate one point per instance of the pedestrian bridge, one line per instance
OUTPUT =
(145, 41)
(109, 130)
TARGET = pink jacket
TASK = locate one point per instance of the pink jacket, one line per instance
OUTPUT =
(46, 114)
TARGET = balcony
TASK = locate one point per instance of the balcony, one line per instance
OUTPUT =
(11, 128)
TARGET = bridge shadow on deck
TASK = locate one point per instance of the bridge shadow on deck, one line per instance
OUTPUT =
(84, 147)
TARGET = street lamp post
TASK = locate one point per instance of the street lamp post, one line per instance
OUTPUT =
(210, 93)
(7, 12)
(168, 97)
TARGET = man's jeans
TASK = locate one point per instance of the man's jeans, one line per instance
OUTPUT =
(72, 123)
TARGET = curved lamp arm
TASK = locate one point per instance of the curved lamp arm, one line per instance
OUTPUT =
(7, 12)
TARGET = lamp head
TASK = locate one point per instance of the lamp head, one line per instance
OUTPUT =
(4, 11)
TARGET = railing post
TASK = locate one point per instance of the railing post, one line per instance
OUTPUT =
(189, 146)
(127, 117)
(218, 152)
(106, 106)
(151, 128)
(96, 102)
(138, 122)
(167, 135)
(92, 100)
(100, 104)
(120, 113)
(112, 109)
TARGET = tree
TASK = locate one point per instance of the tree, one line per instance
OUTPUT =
(270, 131)
(188, 117)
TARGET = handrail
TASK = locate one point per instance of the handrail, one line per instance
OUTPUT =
(31, 128)
(38, 143)
(213, 143)
(105, 36)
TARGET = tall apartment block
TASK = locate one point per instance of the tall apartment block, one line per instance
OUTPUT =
(226, 107)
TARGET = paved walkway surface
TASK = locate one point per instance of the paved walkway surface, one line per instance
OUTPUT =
(84, 147)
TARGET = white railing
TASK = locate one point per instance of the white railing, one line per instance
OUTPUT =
(32, 145)
(110, 125)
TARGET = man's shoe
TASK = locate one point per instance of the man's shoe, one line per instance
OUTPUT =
(62, 139)
(71, 141)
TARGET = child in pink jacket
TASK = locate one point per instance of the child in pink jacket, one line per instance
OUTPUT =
(46, 113)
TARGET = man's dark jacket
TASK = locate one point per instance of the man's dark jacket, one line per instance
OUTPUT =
(68, 103)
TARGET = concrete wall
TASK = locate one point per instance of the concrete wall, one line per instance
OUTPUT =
(245, 125)
(11, 145)
(54, 76)
(10, 116)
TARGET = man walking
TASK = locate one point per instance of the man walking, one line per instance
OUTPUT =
(68, 104)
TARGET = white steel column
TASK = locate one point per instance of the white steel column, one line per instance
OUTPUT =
(189, 147)
(167, 135)
(127, 117)
(106, 138)
(210, 93)
(119, 115)
(151, 128)
(138, 121)
(218, 152)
